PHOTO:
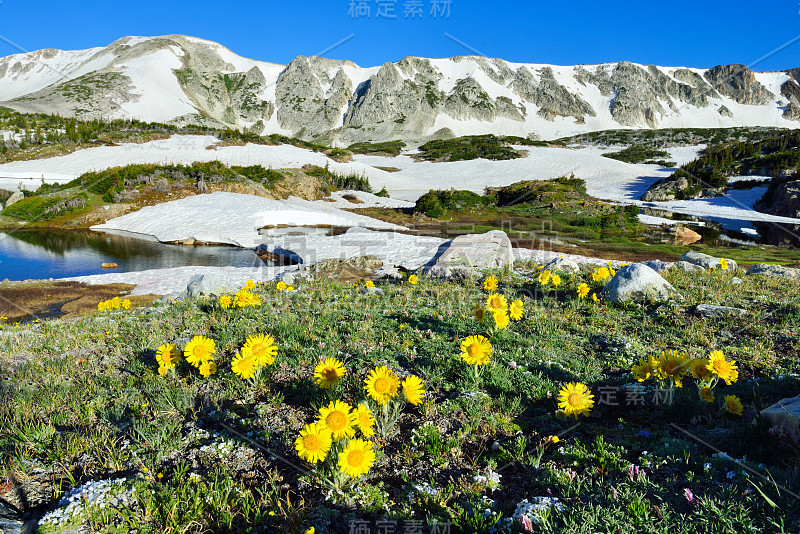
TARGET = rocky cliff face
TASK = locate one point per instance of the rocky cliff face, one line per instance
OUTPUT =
(183, 79)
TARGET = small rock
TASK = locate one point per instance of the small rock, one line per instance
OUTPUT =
(563, 265)
(293, 278)
(109, 265)
(775, 271)
(637, 282)
(688, 267)
(373, 291)
(736, 281)
(784, 415)
(388, 272)
(203, 285)
(349, 270)
(707, 262)
(496, 446)
(710, 311)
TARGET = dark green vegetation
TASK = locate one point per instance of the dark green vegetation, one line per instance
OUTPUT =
(388, 148)
(82, 401)
(474, 147)
(44, 135)
(125, 184)
(339, 181)
(641, 154)
(776, 156)
(561, 204)
(667, 137)
(558, 215)
(140, 182)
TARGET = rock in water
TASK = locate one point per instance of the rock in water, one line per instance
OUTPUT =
(471, 252)
(707, 262)
(637, 282)
(775, 271)
(784, 416)
(685, 236)
(109, 265)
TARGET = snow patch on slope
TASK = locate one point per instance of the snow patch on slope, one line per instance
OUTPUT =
(231, 218)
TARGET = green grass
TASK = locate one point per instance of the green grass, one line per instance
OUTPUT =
(83, 401)
(642, 154)
(388, 148)
(468, 148)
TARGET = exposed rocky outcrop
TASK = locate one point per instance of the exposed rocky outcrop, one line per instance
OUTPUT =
(228, 98)
(309, 100)
(666, 189)
(639, 93)
(782, 198)
(552, 98)
(739, 83)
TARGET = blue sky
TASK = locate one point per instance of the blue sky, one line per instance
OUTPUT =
(694, 33)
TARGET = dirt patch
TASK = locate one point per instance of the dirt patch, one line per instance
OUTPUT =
(20, 301)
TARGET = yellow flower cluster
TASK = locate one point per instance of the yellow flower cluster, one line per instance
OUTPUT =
(673, 366)
(601, 274)
(338, 422)
(382, 385)
(258, 351)
(501, 312)
(114, 304)
(335, 430)
(546, 277)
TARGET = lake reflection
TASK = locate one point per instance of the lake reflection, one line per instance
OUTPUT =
(34, 254)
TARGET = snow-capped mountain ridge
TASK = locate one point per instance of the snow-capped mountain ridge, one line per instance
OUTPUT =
(184, 79)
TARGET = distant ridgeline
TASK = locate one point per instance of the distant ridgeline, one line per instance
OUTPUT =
(776, 156)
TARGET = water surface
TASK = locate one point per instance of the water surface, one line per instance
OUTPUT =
(37, 254)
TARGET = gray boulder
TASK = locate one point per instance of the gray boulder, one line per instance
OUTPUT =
(710, 311)
(775, 271)
(707, 262)
(784, 416)
(637, 282)
(688, 267)
(203, 285)
(14, 198)
(471, 252)
(562, 265)
(658, 265)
